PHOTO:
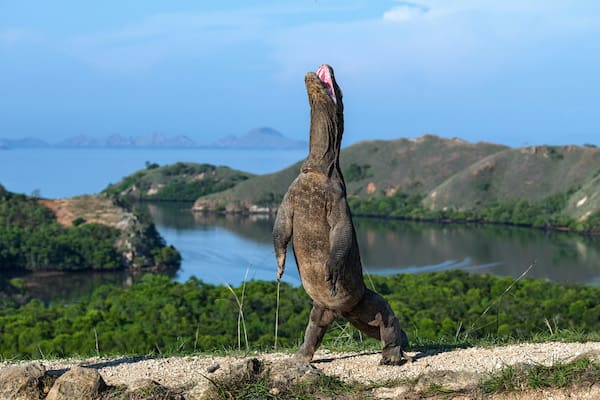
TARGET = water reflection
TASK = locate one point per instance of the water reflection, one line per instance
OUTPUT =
(399, 246)
(70, 286)
(220, 248)
(388, 246)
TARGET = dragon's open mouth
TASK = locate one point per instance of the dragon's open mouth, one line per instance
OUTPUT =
(324, 74)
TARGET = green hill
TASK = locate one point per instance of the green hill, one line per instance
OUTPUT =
(449, 179)
(408, 165)
(370, 168)
(425, 178)
(182, 181)
(261, 193)
(531, 173)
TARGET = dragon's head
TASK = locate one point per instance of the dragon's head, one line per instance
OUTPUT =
(326, 121)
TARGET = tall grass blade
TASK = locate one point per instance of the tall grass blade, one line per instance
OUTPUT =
(497, 300)
(277, 313)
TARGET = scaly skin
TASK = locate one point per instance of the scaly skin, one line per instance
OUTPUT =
(314, 214)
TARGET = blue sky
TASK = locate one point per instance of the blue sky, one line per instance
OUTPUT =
(511, 72)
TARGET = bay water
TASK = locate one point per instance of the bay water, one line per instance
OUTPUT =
(230, 249)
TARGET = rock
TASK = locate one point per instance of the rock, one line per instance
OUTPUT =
(397, 392)
(149, 389)
(201, 391)
(247, 369)
(22, 382)
(212, 368)
(143, 384)
(450, 380)
(280, 374)
(77, 383)
(293, 370)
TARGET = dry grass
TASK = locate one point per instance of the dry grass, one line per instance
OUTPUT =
(91, 208)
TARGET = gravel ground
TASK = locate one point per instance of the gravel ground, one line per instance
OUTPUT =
(361, 367)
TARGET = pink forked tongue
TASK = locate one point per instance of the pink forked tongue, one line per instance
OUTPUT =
(325, 77)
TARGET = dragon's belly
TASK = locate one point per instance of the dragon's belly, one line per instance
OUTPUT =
(312, 252)
(311, 233)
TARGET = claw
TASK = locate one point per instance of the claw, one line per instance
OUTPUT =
(332, 279)
(332, 289)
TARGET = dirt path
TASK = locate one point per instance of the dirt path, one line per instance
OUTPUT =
(469, 365)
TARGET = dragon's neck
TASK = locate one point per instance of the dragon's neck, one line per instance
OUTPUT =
(325, 141)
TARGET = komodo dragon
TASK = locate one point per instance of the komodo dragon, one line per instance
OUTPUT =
(314, 214)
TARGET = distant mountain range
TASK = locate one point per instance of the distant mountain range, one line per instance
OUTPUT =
(259, 138)
(24, 142)
(151, 140)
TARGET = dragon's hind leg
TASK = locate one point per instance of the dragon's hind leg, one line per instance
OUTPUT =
(319, 320)
(374, 317)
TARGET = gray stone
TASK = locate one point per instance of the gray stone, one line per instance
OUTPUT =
(245, 369)
(291, 371)
(450, 380)
(148, 388)
(143, 384)
(77, 383)
(280, 375)
(396, 392)
(23, 382)
(212, 368)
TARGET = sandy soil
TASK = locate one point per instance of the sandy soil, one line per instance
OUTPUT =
(363, 367)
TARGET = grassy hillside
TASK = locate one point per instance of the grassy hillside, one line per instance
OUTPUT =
(370, 168)
(449, 179)
(263, 192)
(586, 200)
(182, 181)
(407, 165)
(531, 173)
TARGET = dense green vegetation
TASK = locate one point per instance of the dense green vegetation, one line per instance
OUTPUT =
(177, 182)
(546, 213)
(160, 316)
(31, 238)
(356, 172)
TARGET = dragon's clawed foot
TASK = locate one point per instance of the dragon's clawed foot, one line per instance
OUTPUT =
(333, 275)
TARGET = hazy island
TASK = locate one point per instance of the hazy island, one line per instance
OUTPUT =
(264, 138)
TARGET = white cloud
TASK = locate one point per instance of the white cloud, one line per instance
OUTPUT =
(404, 12)
(438, 41)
